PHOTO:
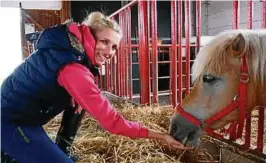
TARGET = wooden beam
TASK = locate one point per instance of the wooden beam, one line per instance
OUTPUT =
(32, 20)
(65, 11)
(23, 38)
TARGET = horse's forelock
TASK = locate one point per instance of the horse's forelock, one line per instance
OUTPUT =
(213, 56)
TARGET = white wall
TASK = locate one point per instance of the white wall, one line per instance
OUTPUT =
(33, 4)
(217, 16)
(10, 41)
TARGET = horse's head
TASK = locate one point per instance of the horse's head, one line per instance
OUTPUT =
(218, 72)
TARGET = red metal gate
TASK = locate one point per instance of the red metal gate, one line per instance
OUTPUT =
(118, 72)
(120, 68)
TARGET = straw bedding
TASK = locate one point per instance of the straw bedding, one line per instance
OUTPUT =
(94, 145)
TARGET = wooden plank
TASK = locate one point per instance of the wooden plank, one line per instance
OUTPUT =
(65, 11)
(228, 156)
(225, 157)
(32, 20)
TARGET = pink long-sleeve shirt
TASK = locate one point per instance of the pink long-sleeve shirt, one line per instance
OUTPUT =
(79, 83)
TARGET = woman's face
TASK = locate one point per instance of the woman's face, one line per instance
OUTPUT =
(107, 42)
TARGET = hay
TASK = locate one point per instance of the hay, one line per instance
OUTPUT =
(95, 145)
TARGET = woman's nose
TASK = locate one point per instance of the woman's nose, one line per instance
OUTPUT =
(109, 53)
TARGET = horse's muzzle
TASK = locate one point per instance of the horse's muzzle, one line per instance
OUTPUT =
(184, 131)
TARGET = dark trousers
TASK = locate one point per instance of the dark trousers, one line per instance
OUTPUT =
(30, 144)
(69, 126)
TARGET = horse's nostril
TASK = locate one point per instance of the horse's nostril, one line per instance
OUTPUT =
(173, 129)
(191, 135)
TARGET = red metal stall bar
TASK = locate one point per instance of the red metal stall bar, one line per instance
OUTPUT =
(250, 14)
(107, 78)
(144, 52)
(112, 75)
(198, 23)
(235, 25)
(173, 58)
(120, 63)
(135, 63)
(126, 51)
(124, 75)
(164, 45)
(128, 14)
(154, 52)
(187, 6)
(122, 55)
(180, 22)
(118, 73)
(123, 8)
(100, 79)
(248, 114)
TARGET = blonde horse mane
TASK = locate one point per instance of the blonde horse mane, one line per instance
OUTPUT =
(213, 55)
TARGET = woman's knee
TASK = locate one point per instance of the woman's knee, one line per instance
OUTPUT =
(31, 145)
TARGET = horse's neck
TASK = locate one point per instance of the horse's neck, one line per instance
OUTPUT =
(256, 96)
(261, 95)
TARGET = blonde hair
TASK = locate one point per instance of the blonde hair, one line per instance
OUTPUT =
(97, 22)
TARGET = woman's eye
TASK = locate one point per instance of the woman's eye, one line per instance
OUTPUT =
(208, 79)
(104, 42)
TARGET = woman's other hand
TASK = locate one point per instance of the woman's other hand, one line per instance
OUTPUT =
(76, 106)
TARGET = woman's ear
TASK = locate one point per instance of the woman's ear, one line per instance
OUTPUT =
(238, 46)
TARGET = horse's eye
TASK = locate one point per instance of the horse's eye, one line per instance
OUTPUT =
(208, 79)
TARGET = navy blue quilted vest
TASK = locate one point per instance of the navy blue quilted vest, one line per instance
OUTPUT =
(31, 95)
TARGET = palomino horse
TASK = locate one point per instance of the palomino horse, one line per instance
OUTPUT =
(229, 76)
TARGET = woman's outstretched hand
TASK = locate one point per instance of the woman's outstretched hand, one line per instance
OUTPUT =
(173, 143)
(168, 139)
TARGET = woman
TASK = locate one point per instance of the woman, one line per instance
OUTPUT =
(63, 67)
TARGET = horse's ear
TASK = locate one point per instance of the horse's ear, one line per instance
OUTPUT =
(238, 45)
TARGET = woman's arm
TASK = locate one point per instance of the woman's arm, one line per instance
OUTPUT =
(79, 82)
